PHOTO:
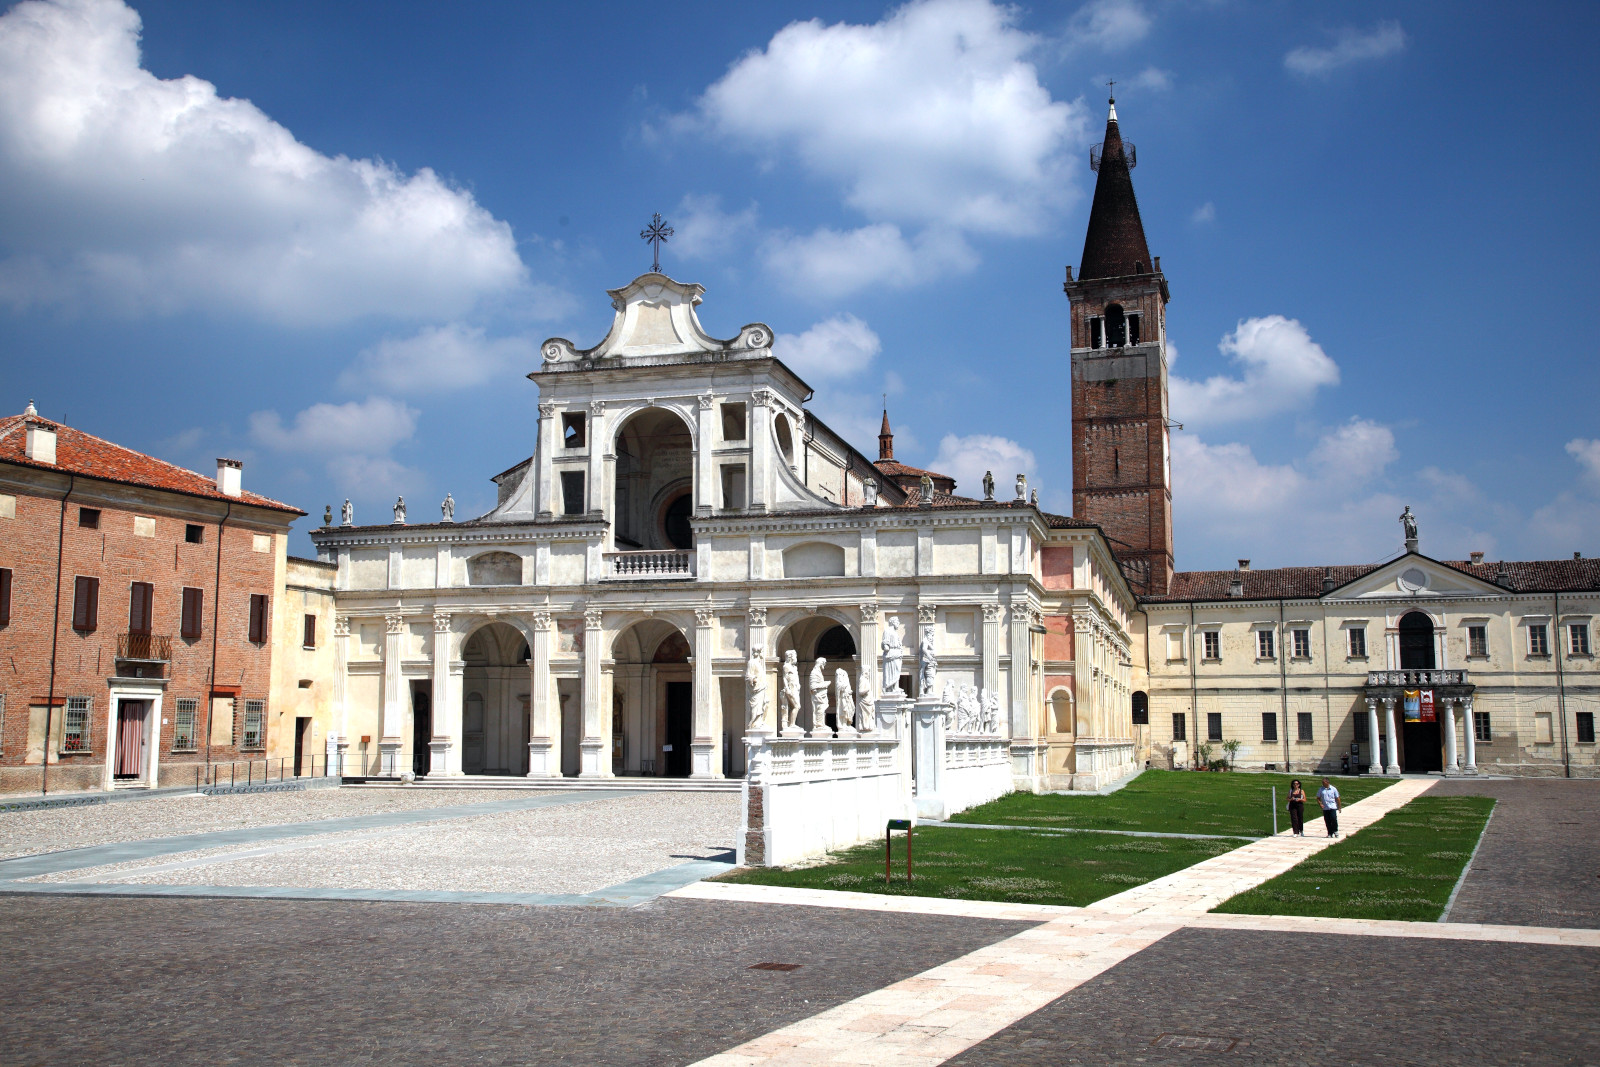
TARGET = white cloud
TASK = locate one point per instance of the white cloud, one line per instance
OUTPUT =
(827, 264)
(1349, 45)
(1353, 455)
(1587, 453)
(1153, 78)
(1206, 212)
(702, 230)
(439, 358)
(1282, 370)
(967, 458)
(840, 347)
(141, 194)
(368, 427)
(1109, 25)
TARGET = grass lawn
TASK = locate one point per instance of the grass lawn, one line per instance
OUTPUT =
(1404, 866)
(1023, 866)
(1174, 802)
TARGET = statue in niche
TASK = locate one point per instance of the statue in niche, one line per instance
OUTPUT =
(1022, 488)
(864, 703)
(819, 697)
(327, 515)
(448, 508)
(755, 682)
(988, 485)
(894, 655)
(844, 703)
(347, 514)
(1409, 522)
(399, 510)
(927, 664)
(869, 492)
(789, 694)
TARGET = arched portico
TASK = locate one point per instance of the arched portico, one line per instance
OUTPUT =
(652, 700)
(495, 693)
(809, 636)
(654, 481)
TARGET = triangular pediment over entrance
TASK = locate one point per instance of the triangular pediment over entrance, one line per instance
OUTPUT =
(655, 318)
(1414, 575)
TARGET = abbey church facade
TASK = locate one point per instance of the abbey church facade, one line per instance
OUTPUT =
(684, 533)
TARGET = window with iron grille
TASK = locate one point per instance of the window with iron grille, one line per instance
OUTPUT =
(183, 724)
(1264, 648)
(1269, 726)
(255, 724)
(1358, 642)
(1477, 640)
(258, 618)
(1304, 720)
(1180, 726)
(1585, 727)
(1214, 726)
(1578, 639)
(75, 725)
(1538, 640)
(1480, 726)
(1212, 642)
(1302, 644)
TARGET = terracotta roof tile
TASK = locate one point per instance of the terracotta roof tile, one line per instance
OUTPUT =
(893, 467)
(1299, 583)
(89, 456)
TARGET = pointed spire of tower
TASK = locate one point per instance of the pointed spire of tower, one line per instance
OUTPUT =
(885, 438)
(1114, 246)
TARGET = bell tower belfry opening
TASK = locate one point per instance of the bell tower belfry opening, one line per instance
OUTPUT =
(1121, 455)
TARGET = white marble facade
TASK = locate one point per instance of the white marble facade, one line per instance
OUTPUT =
(680, 506)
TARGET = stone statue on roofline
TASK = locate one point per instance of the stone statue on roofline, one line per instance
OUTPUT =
(988, 485)
(755, 682)
(1022, 488)
(819, 698)
(399, 511)
(448, 508)
(1408, 521)
(894, 655)
(869, 492)
(327, 515)
(927, 489)
(789, 696)
(347, 514)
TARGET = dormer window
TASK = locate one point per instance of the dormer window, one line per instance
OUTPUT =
(572, 429)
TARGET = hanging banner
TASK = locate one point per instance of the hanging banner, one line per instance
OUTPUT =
(1412, 703)
(1425, 703)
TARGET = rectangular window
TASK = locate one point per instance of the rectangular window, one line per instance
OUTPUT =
(1214, 726)
(1180, 726)
(1477, 640)
(572, 429)
(183, 724)
(1480, 726)
(1269, 726)
(572, 492)
(1304, 721)
(5, 595)
(1264, 647)
(1538, 639)
(1097, 332)
(194, 533)
(1133, 329)
(1361, 727)
(1358, 642)
(89, 518)
(141, 606)
(1585, 727)
(258, 618)
(255, 724)
(193, 609)
(1578, 639)
(1543, 728)
(310, 639)
(733, 422)
(75, 725)
(1211, 642)
(733, 487)
(1302, 644)
(86, 605)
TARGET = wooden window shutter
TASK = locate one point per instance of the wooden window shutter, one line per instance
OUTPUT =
(258, 618)
(5, 595)
(86, 604)
(193, 608)
(141, 602)
(311, 632)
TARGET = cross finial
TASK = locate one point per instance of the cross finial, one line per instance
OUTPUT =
(1112, 86)
(656, 233)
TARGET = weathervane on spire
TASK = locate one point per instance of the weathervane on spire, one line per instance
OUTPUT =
(656, 233)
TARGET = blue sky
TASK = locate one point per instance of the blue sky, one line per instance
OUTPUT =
(328, 238)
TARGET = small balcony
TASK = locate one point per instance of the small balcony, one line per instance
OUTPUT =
(144, 648)
(648, 566)
(1415, 679)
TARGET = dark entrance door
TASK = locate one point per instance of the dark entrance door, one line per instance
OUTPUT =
(302, 732)
(130, 738)
(421, 731)
(680, 727)
(1420, 741)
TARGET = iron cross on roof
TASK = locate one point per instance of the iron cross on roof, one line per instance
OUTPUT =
(656, 233)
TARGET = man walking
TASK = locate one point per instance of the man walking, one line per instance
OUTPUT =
(1328, 797)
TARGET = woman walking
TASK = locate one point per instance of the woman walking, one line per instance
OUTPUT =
(1297, 808)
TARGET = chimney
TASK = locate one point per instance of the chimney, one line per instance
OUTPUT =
(1502, 574)
(1244, 564)
(1577, 555)
(229, 472)
(41, 442)
(1477, 558)
(1327, 580)
(1158, 264)
(1069, 273)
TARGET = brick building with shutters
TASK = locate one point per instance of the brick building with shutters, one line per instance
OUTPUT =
(136, 613)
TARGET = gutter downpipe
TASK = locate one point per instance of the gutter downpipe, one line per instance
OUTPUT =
(1283, 683)
(1561, 688)
(55, 636)
(1194, 684)
(216, 609)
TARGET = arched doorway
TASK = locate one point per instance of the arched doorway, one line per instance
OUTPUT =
(819, 636)
(495, 685)
(1420, 738)
(652, 709)
(654, 482)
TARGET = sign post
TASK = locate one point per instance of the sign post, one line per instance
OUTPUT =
(888, 835)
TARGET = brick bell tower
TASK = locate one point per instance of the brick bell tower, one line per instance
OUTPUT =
(1121, 468)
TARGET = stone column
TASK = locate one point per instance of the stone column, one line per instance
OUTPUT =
(595, 760)
(595, 488)
(1021, 654)
(544, 462)
(1391, 764)
(544, 723)
(927, 618)
(760, 448)
(1450, 736)
(706, 487)
(1471, 734)
(390, 739)
(445, 744)
(867, 657)
(1374, 757)
(339, 735)
(703, 762)
(991, 648)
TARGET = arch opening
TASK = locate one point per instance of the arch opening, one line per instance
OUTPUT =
(1421, 740)
(495, 688)
(1116, 326)
(814, 638)
(654, 494)
(652, 701)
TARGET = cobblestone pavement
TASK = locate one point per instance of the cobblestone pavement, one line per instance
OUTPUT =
(1209, 996)
(1538, 863)
(29, 833)
(574, 848)
(243, 982)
